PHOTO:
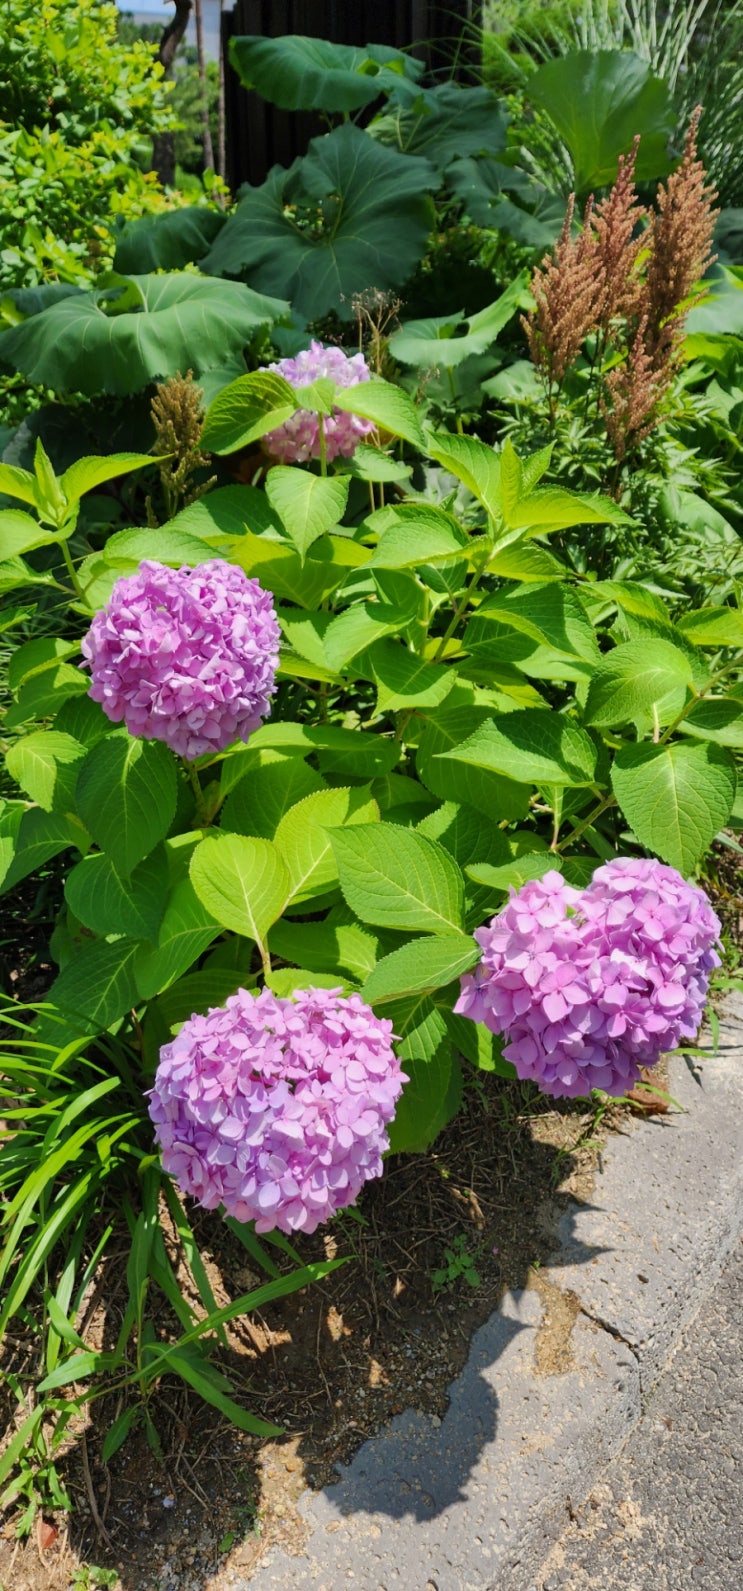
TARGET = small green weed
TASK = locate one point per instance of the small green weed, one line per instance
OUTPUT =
(457, 1262)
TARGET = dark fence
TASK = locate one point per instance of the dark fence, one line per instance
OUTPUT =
(260, 136)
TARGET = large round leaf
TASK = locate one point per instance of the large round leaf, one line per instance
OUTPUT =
(168, 241)
(599, 101)
(444, 124)
(300, 73)
(141, 329)
(350, 215)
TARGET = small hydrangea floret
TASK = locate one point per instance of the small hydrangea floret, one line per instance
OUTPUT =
(277, 1109)
(588, 986)
(298, 439)
(187, 656)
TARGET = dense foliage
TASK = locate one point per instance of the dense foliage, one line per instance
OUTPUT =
(319, 652)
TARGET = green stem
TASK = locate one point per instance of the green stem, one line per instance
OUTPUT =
(71, 571)
(195, 783)
(323, 446)
(602, 806)
(459, 608)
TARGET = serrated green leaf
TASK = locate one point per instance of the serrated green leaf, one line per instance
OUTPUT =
(303, 839)
(464, 832)
(261, 798)
(675, 797)
(45, 764)
(420, 536)
(514, 873)
(88, 473)
(473, 463)
(247, 409)
(404, 680)
(713, 627)
(242, 881)
(638, 680)
(97, 986)
(108, 904)
(533, 746)
(19, 533)
(716, 718)
(307, 505)
(497, 796)
(187, 928)
(328, 947)
(126, 796)
(419, 967)
(396, 878)
(36, 656)
(388, 406)
(42, 835)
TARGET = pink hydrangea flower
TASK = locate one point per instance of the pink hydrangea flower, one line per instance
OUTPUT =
(298, 439)
(277, 1109)
(588, 986)
(187, 656)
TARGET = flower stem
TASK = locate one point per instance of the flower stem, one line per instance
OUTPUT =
(203, 816)
(323, 447)
(71, 571)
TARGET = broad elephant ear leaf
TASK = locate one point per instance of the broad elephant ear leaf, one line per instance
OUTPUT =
(367, 197)
(141, 329)
(300, 73)
(168, 241)
(445, 123)
(599, 101)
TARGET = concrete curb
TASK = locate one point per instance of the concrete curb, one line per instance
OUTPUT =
(477, 1503)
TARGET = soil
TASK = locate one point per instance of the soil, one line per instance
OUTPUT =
(430, 1252)
(442, 1236)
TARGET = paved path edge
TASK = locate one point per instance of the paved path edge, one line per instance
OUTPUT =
(477, 1502)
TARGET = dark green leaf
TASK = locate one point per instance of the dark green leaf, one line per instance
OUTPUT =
(676, 797)
(126, 796)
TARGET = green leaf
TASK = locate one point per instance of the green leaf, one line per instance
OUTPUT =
(88, 473)
(396, 878)
(126, 797)
(44, 691)
(473, 463)
(339, 944)
(187, 928)
(416, 535)
(632, 597)
(497, 796)
(45, 765)
(552, 508)
(303, 840)
(41, 835)
(713, 627)
(262, 797)
(247, 409)
(35, 656)
(462, 831)
(370, 195)
(15, 482)
(404, 680)
(307, 505)
(676, 797)
(388, 406)
(441, 343)
(177, 322)
(717, 718)
(343, 751)
(636, 680)
(444, 123)
(97, 986)
(299, 73)
(598, 101)
(241, 881)
(166, 241)
(431, 1096)
(533, 746)
(108, 904)
(420, 966)
(307, 582)
(542, 630)
(225, 511)
(19, 533)
(514, 873)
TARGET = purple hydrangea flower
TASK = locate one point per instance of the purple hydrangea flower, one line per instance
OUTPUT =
(277, 1109)
(298, 439)
(187, 656)
(588, 986)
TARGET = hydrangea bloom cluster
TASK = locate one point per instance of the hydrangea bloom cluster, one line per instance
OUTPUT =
(187, 656)
(277, 1109)
(588, 986)
(298, 439)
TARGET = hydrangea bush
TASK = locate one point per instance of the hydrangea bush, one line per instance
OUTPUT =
(328, 765)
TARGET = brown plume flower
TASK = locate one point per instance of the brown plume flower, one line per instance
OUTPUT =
(680, 238)
(620, 242)
(634, 390)
(567, 287)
